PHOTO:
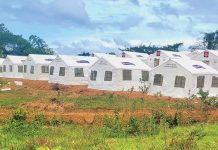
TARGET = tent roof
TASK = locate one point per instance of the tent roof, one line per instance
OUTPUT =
(185, 52)
(1, 60)
(195, 67)
(136, 54)
(215, 52)
(195, 52)
(42, 59)
(174, 55)
(73, 61)
(16, 59)
(127, 63)
(100, 55)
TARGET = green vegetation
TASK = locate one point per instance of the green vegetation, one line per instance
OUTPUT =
(121, 102)
(11, 44)
(20, 95)
(148, 133)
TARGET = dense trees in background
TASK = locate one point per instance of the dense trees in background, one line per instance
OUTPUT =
(152, 48)
(207, 41)
(11, 44)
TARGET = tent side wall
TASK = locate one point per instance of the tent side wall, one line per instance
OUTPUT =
(162, 58)
(14, 73)
(55, 78)
(101, 66)
(169, 71)
(213, 59)
(117, 83)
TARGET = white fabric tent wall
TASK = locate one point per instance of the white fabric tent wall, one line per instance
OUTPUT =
(13, 61)
(117, 83)
(170, 70)
(142, 56)
(69, 62)
(212, 58)
(37, 61)
(1, 66)
(164, 56)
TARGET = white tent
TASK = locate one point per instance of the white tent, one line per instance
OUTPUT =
(160, 56)
(185, 52)
(195, 53)
(13, 66)
(70, 70)
(1, 67)
(100, 55)
(117, 74)
(209, 57)
(181, 78)
(141, 56)
(36, 67)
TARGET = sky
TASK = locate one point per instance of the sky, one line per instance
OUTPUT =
(74, 26)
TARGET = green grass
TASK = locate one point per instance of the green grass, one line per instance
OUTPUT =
(92, 137)
(121, 102)
(107, 101)
(17, 96)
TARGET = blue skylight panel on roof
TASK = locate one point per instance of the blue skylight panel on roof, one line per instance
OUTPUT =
(83, 61)
(128, 63)
(198, 67)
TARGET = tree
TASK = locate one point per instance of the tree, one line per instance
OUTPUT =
(210, 40)
(152, 48)
(11, 44)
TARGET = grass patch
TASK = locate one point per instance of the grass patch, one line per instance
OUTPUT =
(121, 102)
(14, 97)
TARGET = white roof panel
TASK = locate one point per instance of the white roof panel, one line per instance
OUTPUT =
(42, 59)
(16, 59)
(127, 63)
(136, 54)
(195, 67)
(73, 61)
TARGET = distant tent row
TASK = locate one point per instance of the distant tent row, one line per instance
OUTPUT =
(175, 74)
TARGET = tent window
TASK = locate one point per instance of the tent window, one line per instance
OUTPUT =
(20, 69)
(10, 68)
(145, 75)
(51, 70)
(200, 82)
(78, 72)
(108, 76)
(180, 81)
(127, 75)
(206, 62)
(32, 69)
(25, 68)
(214, 82)
(156, 62)
(158, 80)
(4, 68)
(62, 71)
(93, 75)
(1, 69)
(45, 69)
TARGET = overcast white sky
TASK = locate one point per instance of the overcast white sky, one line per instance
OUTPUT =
(74, 26)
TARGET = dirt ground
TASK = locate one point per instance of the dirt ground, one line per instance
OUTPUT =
(66, 110)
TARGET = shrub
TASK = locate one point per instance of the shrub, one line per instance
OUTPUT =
(133, 126)
(56, 121)
(18, 125)
(187, 140)
(40, 119)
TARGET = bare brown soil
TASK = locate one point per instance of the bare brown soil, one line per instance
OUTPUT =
(67, 111)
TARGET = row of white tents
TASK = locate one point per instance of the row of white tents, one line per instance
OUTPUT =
(175, 74)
